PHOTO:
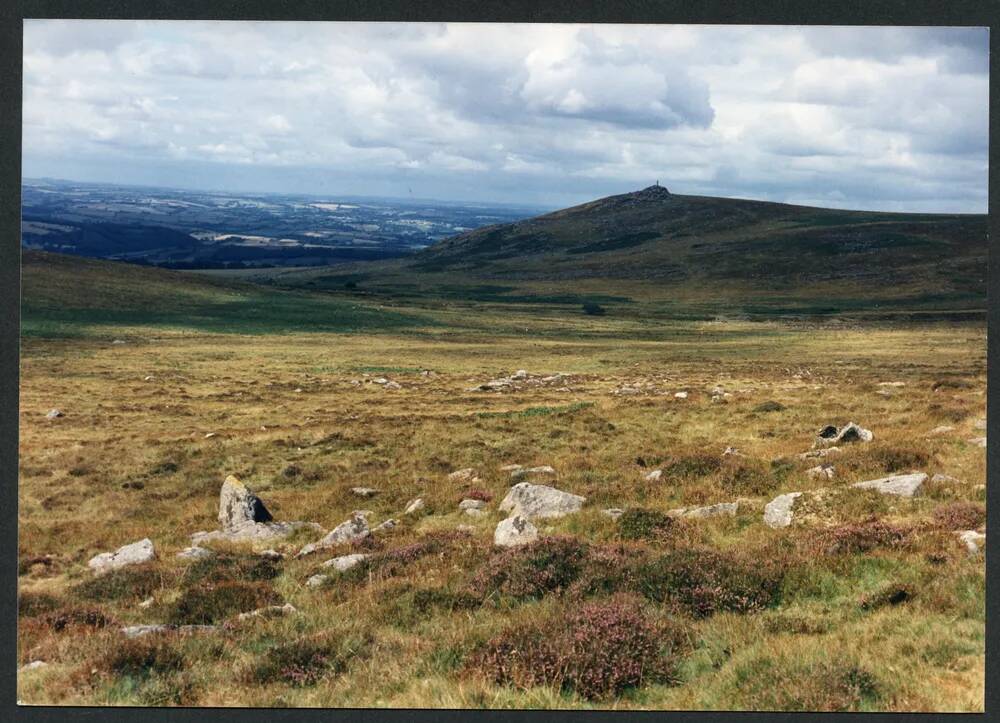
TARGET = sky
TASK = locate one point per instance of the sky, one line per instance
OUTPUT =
(878, 118)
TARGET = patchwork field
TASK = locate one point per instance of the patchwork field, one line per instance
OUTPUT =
(167, 384)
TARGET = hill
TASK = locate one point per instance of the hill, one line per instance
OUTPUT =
(70, 296)
(697, 255)
(659, 235)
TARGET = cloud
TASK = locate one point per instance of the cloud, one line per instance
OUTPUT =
(543, 114)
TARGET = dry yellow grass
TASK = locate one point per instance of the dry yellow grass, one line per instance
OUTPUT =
(131, 459)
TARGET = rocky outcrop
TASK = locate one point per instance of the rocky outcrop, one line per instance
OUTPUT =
(780, 511)
(353, 529)
(133, 554)
(514, 531)
(851, 432)
(901, 485)
(239, 506)
(531, 500)
(346, 562)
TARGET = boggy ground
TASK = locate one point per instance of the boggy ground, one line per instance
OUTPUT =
(871, 604)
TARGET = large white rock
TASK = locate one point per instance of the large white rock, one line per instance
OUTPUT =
(133, 554)
(355, 528)
(779, 511)
(514, 531)
(346, 562)
(972, 540)
(902, 485)
(239, 506)
(533, 500)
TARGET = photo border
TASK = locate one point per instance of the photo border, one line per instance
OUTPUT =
(756, 12)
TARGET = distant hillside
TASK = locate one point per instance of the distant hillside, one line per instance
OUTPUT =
(656, 235)
(71, 296)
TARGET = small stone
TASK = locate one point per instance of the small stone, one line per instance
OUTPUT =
(316, 580)
(731, 452)
(892, 384)
(901, 485)
(387, 525)
(978, 441)
(519, 374)
(364, 491)
(531, 471)
(54, 414)
(414, 506)
(355, 528)
(823, 471)
(973, 540)
(511, 467)
(272, 555)
(613, 512)
(148, 378)
(133, 554)
(820, 453)
(533, 500)
(473, 512)
(470, 504)
(680, 395)
(137, 631)
(194, 553)
(209, 435)
(514, 531)
(270, 611)
(778, 512)
(944, 479)
(147, 603)
(980, 425)
(33, 665)
(392, 385)
(722, 509)
(463, 475)
(943, 429)
(346, 562)
(653, 476)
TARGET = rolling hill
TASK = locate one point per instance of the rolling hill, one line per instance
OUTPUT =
(654, 234)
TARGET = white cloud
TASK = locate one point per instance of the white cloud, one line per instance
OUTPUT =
(549, 114)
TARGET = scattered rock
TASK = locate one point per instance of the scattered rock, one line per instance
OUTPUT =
(943, 429)
(463, 475)
(194, 553)
(972, 540)
(522, 472)
(209, 435)
(717, 510)
(271, 611)
(33, 665)
(820, 453)
(137, 631)
(387, 525)
(902, 485)
(474, 512)
(364, 491)
(465, 528)
(239, 506)
(54, 414)
(980, 425)
(470, 504)
(392, 385)
(945, 479)
(851, 432)
(731, 452)
(272, 555)
(680, 395)
(823, 471)
(147, 603)
(978, 441)
(316, 580)
(355, 528)
(511, 467)
(346, 562)
(613, 512)
(779, 511)
(892, 384)
(133, 554)
(654, 476)
(148, 378)
(414, 506)
(533, 500)
(514, 531)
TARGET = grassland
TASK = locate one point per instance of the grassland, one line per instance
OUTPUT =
(870, 603)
